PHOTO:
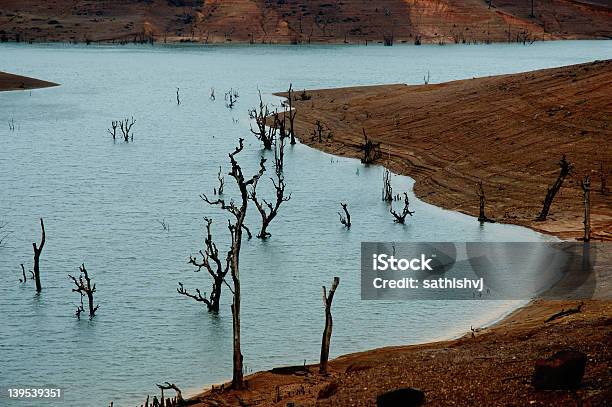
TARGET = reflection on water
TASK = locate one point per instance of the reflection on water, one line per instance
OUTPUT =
(102, 201)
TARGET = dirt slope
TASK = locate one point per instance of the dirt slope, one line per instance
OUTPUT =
(509, 131)
(293, 21)
(16, 82)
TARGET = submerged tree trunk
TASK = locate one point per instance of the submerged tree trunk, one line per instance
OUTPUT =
(37, 252)
(586, 189)
(327, 332)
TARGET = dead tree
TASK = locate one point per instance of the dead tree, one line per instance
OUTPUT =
(281, 124)
(221, 182)
(37, 251)
(279, 150)
(84, 288)
(482, 217)
(238, 212)
(231, 97)
(211, 262)
(178, 96)
(266, 134)
(113, 132)
(371, 150)
(267, 210)
(565, 169)
(401, 217)
(327, 332)
(292, 114)
(126, 126)
(24, 278)
(212, 94)
(387, 192)
(586, 190)
(171, 386)
(346, 218)
(317, 133)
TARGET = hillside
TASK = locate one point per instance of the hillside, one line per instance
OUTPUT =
(299, 21)
(509, 131)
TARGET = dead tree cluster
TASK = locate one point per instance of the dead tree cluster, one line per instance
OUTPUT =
(231, 98)
(345, 218)
(371, 150)
(327, 332)
(210, 258)
(266, 134)
(401, 217)
(84, 288)
(565, 169)
(125, 126)
(163, 401)
(11, 124)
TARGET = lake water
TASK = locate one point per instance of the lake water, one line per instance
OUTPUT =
(102, 201)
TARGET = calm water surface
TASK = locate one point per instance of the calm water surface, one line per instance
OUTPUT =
(102, 201)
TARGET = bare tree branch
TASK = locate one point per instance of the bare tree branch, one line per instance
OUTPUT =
(401, 217)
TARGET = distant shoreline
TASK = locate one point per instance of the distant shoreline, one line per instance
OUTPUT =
(10, 82)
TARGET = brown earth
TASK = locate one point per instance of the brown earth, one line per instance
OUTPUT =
(16, 82)
(509, 131)
(491, 368)
(293, 21)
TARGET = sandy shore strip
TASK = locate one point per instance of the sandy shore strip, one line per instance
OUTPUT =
(508, 131)
(10, 81)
